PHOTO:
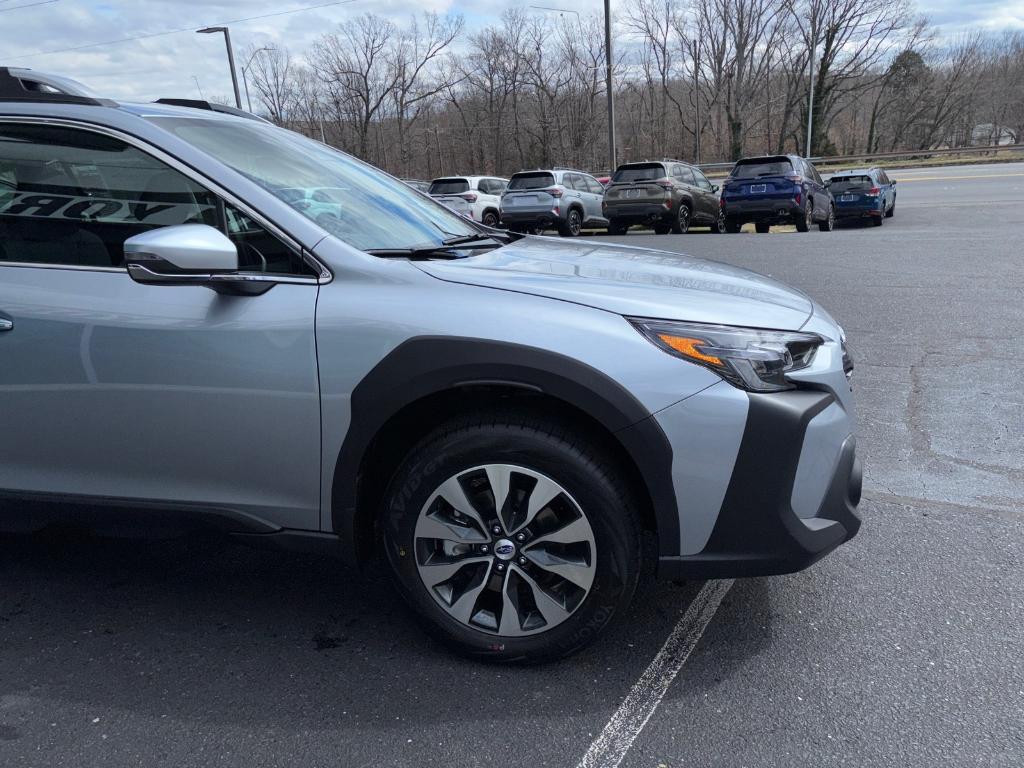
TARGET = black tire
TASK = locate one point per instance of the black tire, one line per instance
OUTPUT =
(829, 223)
(877, 221)
(892, 211)
(573, 223)
(681, 224)
(661, 229)
(720, 227)
(617, 228)
(558, 450)
(490, 219)
(762, 229)
(732, 226)
(803, 224)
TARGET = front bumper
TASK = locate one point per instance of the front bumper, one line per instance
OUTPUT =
(757, 530)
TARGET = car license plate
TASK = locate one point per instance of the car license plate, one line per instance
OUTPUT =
(524, 200)
(632, 193)
(758, 188)
(847, 198)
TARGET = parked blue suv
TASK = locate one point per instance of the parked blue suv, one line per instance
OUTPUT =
(778, 189)
(864, 194)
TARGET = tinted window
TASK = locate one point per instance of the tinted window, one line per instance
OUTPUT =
(640, 172)
(73, 197)
(753, 169)
(498, 186)
(685, 174)
(847, 183)
(449, 186)
(579, 183)
(532, 180)
(883, 177)
(701, 179)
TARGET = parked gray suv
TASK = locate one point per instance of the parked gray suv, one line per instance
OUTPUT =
(564, 199)
(502, 419)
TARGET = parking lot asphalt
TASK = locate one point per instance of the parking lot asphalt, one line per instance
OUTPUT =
(904, 647)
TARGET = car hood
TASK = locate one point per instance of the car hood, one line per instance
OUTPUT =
(632, 281)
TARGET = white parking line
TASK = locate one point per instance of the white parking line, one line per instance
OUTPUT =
(612, 744)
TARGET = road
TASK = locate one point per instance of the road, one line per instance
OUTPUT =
(904, 647)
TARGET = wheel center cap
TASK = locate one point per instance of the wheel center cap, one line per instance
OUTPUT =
(504, 549)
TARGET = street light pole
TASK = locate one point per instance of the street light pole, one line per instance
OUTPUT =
(608, 80)
(245, 80)
(231, 58)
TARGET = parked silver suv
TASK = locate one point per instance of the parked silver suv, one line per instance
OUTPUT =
(500, 418)
(563, 199)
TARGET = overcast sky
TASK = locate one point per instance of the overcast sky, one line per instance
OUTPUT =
(35, 33)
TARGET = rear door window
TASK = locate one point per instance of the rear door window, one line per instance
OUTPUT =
(701, 179)
(449, 186)
(533, 180)
(593, 185)
(640, 172)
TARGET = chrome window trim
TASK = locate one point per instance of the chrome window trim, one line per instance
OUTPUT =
(325, 276)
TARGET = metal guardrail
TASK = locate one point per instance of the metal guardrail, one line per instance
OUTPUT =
(909, 153)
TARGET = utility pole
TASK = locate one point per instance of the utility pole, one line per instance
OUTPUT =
(696, 100)
(810, 97)
(608, 78)
(231, 58)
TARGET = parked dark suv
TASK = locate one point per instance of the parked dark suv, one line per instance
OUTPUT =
(778, 189)
(669, 195)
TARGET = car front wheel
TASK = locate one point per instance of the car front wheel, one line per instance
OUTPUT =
(512, 538)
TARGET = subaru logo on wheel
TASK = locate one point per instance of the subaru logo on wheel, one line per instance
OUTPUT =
(505, 549)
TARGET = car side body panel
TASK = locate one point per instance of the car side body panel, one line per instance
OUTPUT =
(211, 401)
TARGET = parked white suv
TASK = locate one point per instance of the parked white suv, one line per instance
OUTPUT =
(475, 197)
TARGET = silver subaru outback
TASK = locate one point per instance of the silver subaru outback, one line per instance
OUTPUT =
(502, 419)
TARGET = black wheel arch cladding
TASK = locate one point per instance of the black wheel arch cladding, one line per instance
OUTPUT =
(427, 365)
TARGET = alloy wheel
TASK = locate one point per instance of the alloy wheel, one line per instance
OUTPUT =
(684, 219)
(505, 550)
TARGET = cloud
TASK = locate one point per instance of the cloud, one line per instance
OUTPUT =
(171, 65)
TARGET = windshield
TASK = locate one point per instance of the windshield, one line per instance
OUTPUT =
(648, 172)
(850, 182)
(531, 181)
(449, 187)
(756, 169)
(352, 200)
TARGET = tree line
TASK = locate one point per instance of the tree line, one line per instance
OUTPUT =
(704, 80)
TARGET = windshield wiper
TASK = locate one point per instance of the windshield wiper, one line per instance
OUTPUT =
(446, 250)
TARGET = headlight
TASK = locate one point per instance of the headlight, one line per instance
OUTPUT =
(749, 358)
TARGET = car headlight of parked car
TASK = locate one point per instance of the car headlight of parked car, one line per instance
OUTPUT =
(750, 358)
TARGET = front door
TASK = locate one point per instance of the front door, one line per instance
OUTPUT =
(164, 395)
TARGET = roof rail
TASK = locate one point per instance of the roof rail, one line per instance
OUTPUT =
(210, 106)
(17, 84)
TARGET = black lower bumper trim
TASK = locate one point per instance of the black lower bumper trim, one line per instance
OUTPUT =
(757, 532)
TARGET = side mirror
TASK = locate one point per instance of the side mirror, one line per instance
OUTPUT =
(828, 183)
(185, 254)
(715, 187)
(893, 182)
